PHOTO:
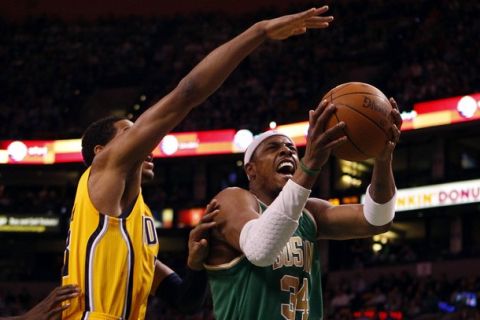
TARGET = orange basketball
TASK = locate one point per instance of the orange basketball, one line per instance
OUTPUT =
(366, 113)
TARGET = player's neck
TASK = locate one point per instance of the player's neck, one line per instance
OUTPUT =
(263, 195)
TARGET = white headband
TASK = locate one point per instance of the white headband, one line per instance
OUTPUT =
(256, 142)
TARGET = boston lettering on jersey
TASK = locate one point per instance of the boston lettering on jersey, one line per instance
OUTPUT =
(297, 252)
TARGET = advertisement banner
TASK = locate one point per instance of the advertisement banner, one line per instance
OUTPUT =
(440, 195)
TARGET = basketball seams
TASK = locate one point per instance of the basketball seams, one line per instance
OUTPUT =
(366, 116)
(351, 140)
(381, 96)
(374, 110)
(331, 96)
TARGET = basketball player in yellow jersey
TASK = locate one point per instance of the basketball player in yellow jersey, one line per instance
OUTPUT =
(112, 242)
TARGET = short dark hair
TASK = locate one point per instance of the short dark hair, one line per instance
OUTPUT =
(98, 133)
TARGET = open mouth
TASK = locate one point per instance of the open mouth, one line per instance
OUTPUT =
(286, 167)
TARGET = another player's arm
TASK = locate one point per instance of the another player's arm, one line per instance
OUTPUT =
(188, 294)
(201, 82)
(107, 182)
(358, 221)
(50, 307)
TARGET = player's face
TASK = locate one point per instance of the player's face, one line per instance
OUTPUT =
(147, 166)
(275, 160)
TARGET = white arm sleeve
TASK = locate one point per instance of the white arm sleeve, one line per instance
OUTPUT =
(262, 239)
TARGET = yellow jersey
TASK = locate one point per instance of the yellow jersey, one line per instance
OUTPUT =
(111, 259)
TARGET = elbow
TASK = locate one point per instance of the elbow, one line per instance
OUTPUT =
(256, 250)
(188, 92)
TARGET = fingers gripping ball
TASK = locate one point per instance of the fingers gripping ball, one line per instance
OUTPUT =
(366, 113)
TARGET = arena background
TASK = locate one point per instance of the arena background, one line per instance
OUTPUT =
(67, 63)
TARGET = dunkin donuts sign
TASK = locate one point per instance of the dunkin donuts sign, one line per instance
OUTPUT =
(447, 194)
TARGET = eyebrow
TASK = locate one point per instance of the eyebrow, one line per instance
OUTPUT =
(277, 143)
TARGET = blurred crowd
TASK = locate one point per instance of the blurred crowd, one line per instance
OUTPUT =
(404, 296)
(38, 200)
(57, 76)
(358, 253)
(389, 297)
(54, 71)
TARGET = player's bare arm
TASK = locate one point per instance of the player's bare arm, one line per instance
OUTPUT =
(123, 156)
(341, 222)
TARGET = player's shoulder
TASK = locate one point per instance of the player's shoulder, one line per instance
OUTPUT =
(235, 195)
(234, 191)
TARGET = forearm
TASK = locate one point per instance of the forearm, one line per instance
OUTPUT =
(192, 90)
(307, 173)
(262, 239)
(212, 71)
(382, 187)
(379, 206)
(186, 295)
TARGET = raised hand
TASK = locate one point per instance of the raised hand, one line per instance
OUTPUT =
(320, 142)
(395, 128)
(295, 24)
(197, 241)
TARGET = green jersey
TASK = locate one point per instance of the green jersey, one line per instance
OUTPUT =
(288, 289)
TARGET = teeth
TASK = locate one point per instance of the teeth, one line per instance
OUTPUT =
(285, 164)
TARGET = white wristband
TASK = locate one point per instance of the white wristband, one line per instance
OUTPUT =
(262, 239)
(379, 214)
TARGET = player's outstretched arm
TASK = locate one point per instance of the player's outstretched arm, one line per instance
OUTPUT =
(50, 307)
(202, 81)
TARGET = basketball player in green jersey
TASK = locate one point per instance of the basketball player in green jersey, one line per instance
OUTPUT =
(112, 244)
(264, 261)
